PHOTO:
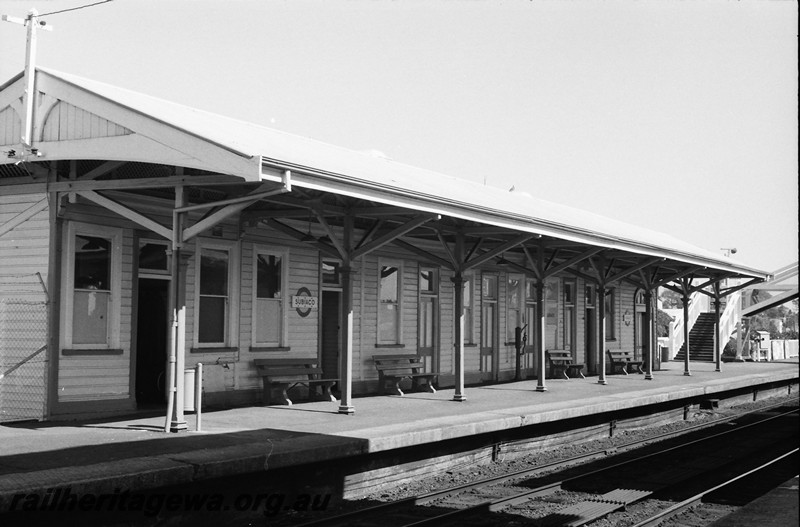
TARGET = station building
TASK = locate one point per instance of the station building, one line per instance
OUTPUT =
(160, 236)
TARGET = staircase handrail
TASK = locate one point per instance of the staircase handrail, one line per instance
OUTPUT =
(729, 318)
(698, 303)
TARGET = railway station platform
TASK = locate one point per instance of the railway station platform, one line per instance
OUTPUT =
(134, 453)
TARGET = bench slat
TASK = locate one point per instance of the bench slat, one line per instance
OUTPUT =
(281, 375)
(392, 369)
(623, 360)
(561, 360)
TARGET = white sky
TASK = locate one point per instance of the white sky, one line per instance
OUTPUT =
(678, 116)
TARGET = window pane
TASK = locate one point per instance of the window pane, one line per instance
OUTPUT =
(387, 322)
(426, 281)
(92, 263)
(330, 273)
(268, 328)
(530, 291)
(90, 318)
(389, 279)
(214, 272)
(513, 291)
(589, 295)
(490, 287)
(569, 292)
(153, 256)
(212, 319)
(426, 323)
(551, 313)
(487, 335)
(610, 324)
(269, 276)
(513, 322)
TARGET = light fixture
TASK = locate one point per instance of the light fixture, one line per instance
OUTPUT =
(308, 237)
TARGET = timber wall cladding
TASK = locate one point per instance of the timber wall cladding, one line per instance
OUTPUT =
(10, 127)
(68, 122)
(24, 249)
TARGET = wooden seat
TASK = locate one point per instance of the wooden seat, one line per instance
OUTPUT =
(281, 375)
(561, 363)
(394, 368)
(623, 360)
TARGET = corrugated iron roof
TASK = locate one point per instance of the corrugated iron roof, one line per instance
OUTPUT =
(376, 177)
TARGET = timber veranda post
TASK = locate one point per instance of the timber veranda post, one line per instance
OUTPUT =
(540, 331)
(686, 300)
(601, 332)
(647, 330)
(346, 355)
(458, 285)
(177, 358)
(717, 336)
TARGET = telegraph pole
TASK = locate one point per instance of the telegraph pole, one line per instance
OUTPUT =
(33, 23)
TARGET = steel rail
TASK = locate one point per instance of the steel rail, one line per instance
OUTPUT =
(597, 454)
(501, 503)
(678, 508)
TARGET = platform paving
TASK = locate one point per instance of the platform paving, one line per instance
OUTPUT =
(134, 453)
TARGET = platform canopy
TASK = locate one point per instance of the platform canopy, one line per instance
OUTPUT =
(427, 213)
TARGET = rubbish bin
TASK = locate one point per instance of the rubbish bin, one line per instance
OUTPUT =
(664, 354)
(188, 390)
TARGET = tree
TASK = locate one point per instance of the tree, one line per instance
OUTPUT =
(670, 299)
(662, 323)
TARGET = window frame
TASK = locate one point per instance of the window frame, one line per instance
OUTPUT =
(114, 235)
(431, 295)
(552, 296)
(398, 337)
(531, 307)
(283, 339)
(488, 341)
(610, 313)
(570, 318)
(469, 310)
(146, 272)
(232, 312)
(518, 307)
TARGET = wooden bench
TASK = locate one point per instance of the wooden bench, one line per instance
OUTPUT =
(281, 375)
(624, 361)
(561, 363)
(394, 368)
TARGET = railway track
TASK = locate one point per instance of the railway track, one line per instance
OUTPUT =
(589, 487)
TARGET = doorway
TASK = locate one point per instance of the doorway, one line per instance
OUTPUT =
(590, 329)
(428, 320)
(151, 341)
(331, 333)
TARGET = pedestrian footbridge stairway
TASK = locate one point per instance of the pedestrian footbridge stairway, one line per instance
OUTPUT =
(701, 340)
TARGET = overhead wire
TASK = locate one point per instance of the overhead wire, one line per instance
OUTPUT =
(75, 8)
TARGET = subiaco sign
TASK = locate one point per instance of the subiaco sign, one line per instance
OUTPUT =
(303, 302)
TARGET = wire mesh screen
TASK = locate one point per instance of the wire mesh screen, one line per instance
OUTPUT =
(23, 354)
